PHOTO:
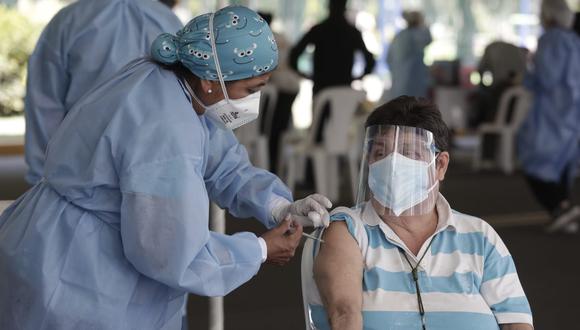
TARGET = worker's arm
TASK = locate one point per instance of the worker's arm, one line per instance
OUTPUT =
(164, 214)
(235, 184)
(338, 271)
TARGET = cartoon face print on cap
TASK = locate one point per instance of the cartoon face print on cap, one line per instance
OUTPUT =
(236, 21)
(198, 56)
(273, 43)
(214, 76)
(259, 69)
(244, 56)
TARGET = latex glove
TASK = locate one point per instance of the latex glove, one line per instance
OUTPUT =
(309, 211)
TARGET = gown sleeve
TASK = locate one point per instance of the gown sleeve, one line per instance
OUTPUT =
(234, 183)
(164, 214)
(46, 87)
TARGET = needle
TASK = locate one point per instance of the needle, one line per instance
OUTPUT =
(312, 237)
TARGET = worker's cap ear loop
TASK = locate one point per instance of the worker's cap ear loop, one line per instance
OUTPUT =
(215, 57)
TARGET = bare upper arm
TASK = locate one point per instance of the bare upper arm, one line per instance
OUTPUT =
(338, 270)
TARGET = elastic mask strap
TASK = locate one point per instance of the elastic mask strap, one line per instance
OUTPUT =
(215, 57)
(192, 94)
(396, 150)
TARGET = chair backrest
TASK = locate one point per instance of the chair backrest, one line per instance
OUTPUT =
(343, 102)
(513, 106)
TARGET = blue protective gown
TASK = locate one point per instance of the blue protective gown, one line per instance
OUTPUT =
(84, 44)
(548, 140)
(409, 74)
(116, 231)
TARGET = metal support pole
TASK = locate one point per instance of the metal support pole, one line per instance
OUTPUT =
(216, 304)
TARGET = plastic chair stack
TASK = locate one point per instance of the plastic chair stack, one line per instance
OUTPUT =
(337, 142)
(513, 107)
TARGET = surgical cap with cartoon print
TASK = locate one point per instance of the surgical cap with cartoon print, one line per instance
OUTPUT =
(244, 44)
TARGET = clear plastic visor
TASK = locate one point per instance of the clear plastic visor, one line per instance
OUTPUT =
(398, 171)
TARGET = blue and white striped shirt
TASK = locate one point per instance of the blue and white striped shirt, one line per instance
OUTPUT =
(467, 279)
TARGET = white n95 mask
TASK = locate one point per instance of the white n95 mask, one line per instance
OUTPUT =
(233, 113)
(230, 113)
(399, 183)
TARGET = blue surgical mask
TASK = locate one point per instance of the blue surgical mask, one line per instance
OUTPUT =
(399, 182)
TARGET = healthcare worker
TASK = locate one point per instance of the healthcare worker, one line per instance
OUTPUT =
(116, 232)
(409, 73)
(548, 140)
(83, 45)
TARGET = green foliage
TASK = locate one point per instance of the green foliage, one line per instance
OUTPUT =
(18, 36)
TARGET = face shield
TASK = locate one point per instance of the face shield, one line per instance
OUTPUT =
(398, 171)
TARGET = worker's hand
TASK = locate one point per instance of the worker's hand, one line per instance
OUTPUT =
(310, 211)
(282, 241)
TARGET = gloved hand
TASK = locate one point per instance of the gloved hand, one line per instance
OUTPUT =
(310, 211)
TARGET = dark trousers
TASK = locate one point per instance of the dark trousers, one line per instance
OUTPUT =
(550, 194)
(280, 123)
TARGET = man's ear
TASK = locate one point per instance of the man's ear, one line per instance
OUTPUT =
(441, 163)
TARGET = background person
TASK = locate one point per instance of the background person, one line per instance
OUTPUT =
(548, 140)
(409, 74)
(116, 232)
(76, 52)
(335, 43)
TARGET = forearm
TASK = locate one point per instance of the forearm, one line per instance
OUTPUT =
(516, 326)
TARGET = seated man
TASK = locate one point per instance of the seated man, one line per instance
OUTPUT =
(401, 258)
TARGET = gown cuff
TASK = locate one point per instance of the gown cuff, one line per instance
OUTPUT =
(264, 248)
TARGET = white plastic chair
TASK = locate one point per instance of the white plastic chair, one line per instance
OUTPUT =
(337, 142)
(254, 135)
(309, 289)
(505, 126)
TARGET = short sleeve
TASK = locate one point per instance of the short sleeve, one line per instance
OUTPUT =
(501, 287)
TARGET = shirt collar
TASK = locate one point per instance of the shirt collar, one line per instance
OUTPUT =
(445, 219)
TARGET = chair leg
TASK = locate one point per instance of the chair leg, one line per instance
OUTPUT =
(333, 178)
(290, 167)
(320, 172)
(507, 165)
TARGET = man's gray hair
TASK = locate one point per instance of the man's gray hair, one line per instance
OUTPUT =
(556, 12)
